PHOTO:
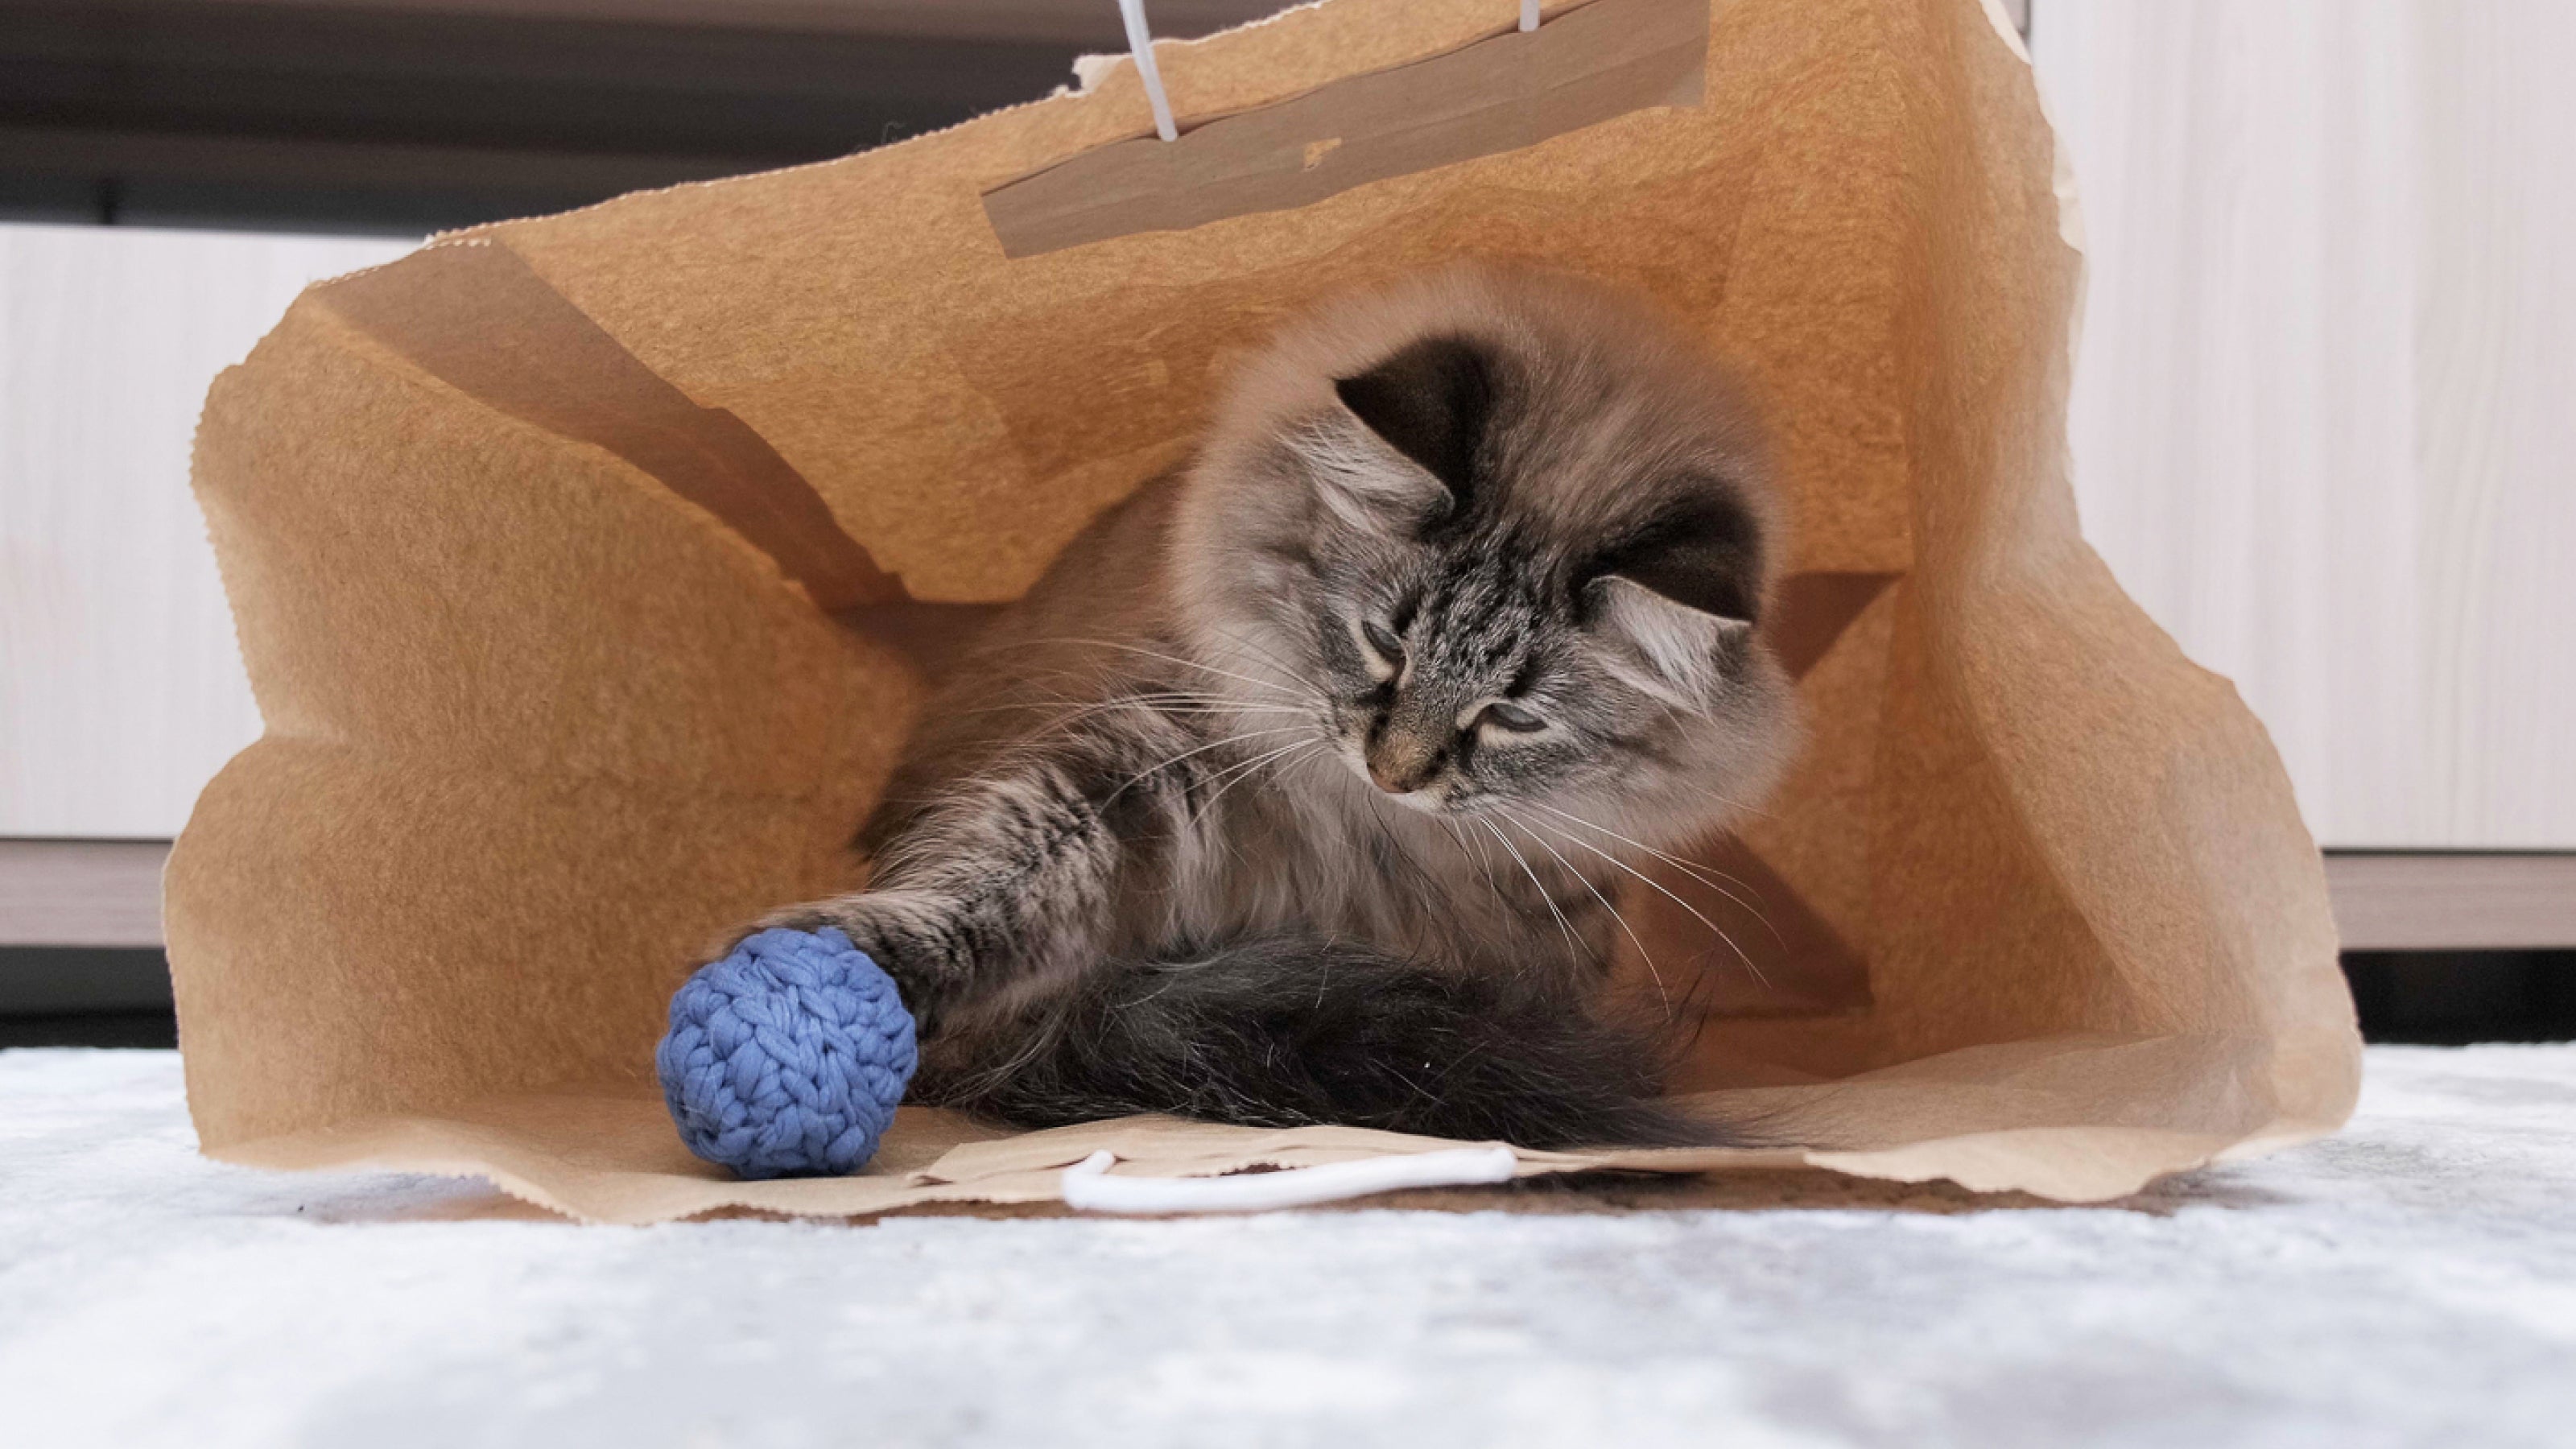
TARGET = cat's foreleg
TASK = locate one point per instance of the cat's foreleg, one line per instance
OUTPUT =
(1005, 888)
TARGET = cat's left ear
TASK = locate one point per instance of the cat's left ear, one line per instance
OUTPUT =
(1683, 594)
(1432, 401)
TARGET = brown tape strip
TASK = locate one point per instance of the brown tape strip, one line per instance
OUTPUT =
(1598, 62)
(478, 318)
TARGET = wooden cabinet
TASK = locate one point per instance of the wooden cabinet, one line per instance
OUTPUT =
(120, 688)
(2324, 423)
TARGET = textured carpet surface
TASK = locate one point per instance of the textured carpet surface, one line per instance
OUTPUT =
(2410, 1282)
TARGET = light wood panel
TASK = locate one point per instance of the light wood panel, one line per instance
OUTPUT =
(2496, 416)
(108, 893)
(121, 690)
(81, 892)
(2321, 426)
(2453, 901)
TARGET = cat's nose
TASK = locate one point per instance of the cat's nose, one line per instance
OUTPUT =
(1402, 764)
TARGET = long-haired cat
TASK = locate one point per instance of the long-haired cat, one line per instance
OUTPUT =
(1300, 788)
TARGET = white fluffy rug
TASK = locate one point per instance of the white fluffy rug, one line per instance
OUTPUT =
(2410, 1282)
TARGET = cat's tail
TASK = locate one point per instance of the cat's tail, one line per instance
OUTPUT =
(1289, 1031)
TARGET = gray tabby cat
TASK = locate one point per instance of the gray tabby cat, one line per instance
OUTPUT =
(1298, 790)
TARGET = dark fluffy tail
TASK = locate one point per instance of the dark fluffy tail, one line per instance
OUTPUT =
(1286, 1032)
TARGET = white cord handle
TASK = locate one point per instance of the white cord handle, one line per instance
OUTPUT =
(1088, 1186)
(1140, 44)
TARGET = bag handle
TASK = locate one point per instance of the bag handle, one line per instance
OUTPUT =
(1088, 1187)
(1140, 46)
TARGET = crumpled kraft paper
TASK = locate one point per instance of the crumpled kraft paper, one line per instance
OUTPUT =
(589, 568)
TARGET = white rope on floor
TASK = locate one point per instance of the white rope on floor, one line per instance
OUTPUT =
(1088, 1186)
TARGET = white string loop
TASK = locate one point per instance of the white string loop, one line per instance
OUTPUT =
(1087, 1186)
(1140, 44)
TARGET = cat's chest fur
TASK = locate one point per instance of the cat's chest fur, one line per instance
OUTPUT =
(1308, 854)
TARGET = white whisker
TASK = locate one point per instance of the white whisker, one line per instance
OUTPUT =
(1175, 710)
(1246, 771)
(1709, 876)
(1273, 660)
(1713, 928)
(1483, 866)
(1163, 765)
(1171, 659)
(1573, 952)
(1643, 954)
(1173, 701)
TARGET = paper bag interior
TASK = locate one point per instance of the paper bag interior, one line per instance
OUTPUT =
(589, 570)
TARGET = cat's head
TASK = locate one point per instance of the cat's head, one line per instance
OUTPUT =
(1505, 539)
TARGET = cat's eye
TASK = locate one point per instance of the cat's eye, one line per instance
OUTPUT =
(1383, 640)
(1505, 715)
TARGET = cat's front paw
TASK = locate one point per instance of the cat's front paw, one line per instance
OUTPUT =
(904, 935)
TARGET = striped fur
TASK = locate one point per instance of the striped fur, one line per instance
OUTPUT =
(1302, 786)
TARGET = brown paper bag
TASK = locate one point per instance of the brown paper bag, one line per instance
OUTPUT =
(582, 565)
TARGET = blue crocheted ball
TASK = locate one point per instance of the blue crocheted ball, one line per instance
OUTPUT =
(787, 1058)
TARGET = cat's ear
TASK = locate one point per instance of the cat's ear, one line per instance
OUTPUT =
(1679, 652)
(1683, 593)
(1432, 402)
